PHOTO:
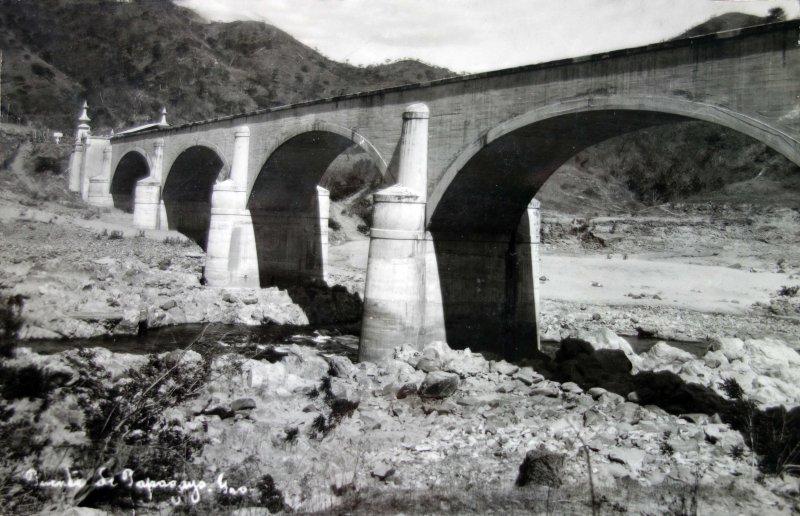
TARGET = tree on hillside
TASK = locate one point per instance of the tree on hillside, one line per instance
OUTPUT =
(776, 14)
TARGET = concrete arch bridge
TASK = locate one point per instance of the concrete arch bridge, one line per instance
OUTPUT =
(454, 242)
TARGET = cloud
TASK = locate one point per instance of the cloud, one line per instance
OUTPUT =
(473, 35)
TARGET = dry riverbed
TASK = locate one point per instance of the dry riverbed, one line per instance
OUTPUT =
(442, 431)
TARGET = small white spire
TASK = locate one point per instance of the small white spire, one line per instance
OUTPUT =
(84, 116)
(163, 121)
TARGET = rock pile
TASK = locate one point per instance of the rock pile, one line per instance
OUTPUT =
(453, 423)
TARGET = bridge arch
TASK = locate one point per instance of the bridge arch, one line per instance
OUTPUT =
(131, 167)
(477, 215)
(187, 190)
(771, 135)
(288, 208)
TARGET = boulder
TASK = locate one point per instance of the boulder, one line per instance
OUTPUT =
(429, 365)
(732, 348)
(406, 390)
(596, 392)
(466, 363)
(571, 387)
(503, 367)
(547, 389)
(438, 349)
(770, 352)
(662, 356)
(340, 366)
(264, 374)
(715, 359)
(528, 376)
(382, 472)
(604, 338)
(187, 357)
(438, 384)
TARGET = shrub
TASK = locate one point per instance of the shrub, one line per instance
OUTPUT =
(732, 389)
(125, 422)
(47, 164)
(11, 315)
(25, 382)
(291, 434)
(269, 495)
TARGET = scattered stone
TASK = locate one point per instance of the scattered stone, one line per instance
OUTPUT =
(229, 298)
(466, 363)
(438, 384)
(593, 418)
(528, 376)
(630, 457)
(382, 472)
(503, 367)
(250, 300)
(698, 419)
(596, 392)
(610, 398)
(243, 404)
(406, 391)
(607, 339)
(187, 357)
(571, 387)
(546, 389)
(340, 366)
(541, 468)
(429, 365)
(445, 408)
(169, 304)
(221, 410)
(662, 356)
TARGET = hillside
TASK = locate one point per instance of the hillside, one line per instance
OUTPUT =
(730, 21)
(679, 162)
(128, 59)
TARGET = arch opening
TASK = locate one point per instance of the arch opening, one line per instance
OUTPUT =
(290, 205)
(187, 192)
(480, 232)
(131, 168)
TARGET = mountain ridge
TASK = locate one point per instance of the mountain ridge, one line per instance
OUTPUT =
(128, 59)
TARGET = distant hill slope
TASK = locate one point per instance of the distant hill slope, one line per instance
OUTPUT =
(129, 58)
(681, 162)
(723, 22)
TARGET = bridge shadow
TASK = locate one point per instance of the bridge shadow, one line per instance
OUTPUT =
(773, 434)
(131, 168)
(325, 304)
(187, 192)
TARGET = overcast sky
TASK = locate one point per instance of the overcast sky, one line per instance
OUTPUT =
(477, 35)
